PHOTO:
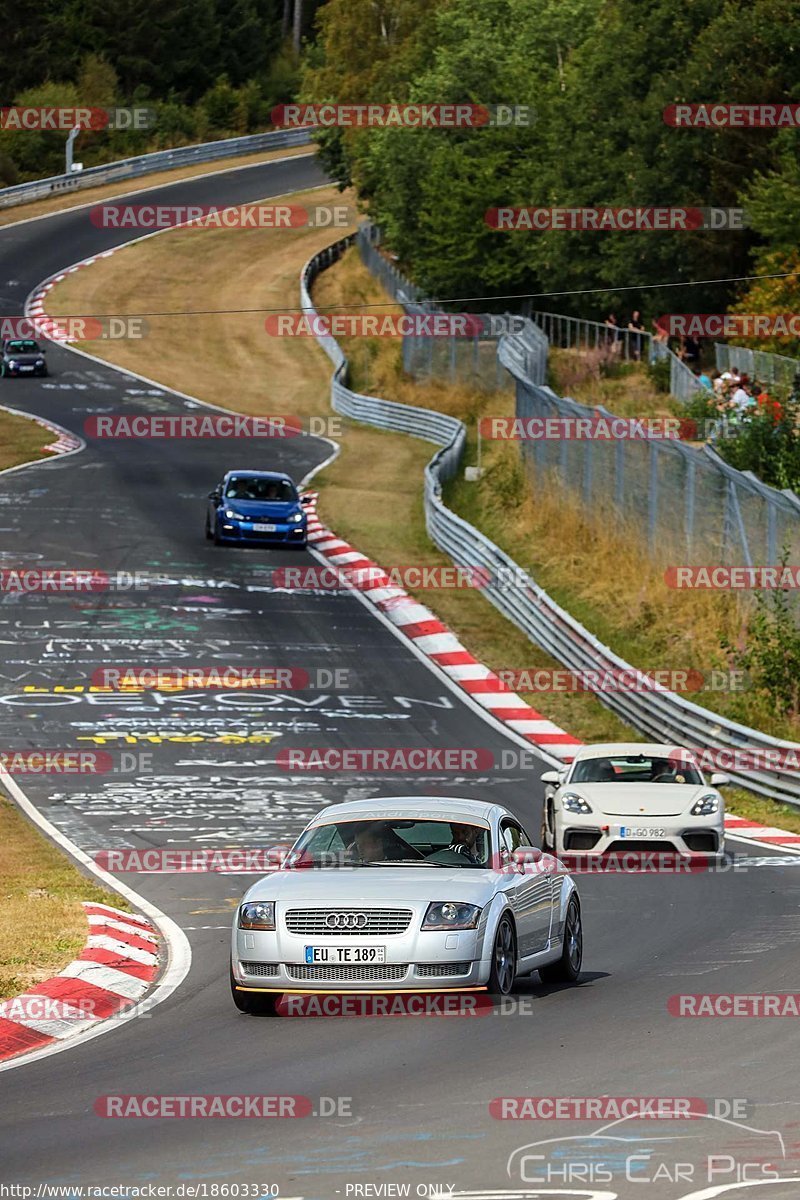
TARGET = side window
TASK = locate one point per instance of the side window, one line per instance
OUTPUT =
(514, 836)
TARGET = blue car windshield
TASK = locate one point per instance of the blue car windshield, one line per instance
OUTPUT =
(22, 347)
(244, 487)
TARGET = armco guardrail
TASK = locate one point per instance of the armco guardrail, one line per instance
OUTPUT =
(662, 715)
(145, 164)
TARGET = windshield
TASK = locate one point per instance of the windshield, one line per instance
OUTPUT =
(248, 487)
(25, 347)
(634, 768)
(393, 842)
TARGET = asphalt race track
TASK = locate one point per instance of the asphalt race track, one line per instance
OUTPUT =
(411, 1096)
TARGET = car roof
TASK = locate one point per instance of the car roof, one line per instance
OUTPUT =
(434, 808)
(651, 749)
(277, 475)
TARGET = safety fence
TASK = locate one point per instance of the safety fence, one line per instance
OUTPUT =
(659, 714)
(145, 164)
(774, 369)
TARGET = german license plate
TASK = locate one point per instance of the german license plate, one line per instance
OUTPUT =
(345, 954)
(641, 831)
(264, 528)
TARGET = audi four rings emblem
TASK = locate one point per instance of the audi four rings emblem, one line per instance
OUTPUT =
(346, 920)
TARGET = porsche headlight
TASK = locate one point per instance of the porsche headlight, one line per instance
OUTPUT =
(705, 806)
(451, 914)
(258, 914)
(572, 802)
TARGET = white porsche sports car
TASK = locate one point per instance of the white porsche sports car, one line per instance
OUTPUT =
(633, 796)
(406, 895)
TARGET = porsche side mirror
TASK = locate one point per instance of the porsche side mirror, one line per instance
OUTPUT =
(719, 780)
(553, 777)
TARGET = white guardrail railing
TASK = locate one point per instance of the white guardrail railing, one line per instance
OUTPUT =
(146, 164)
(660, 714)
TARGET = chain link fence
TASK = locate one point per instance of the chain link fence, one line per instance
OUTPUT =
(774, 369)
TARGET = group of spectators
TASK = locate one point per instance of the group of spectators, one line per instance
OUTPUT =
(616, 332)
(737, 397)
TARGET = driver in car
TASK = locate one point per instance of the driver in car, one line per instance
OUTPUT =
(465, 841)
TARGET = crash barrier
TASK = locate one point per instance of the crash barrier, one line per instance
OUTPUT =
(145, 164)
(659, 714)
(774, 369)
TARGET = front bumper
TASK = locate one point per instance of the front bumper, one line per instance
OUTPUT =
(596, 833)
(243, 532)
(15, 372)
(415, 961)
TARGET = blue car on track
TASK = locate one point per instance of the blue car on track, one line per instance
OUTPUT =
(256, 506)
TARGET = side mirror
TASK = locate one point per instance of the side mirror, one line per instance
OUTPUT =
(526, 857)
(553, 777)
(306, 500)
(214, 495)
(719, 780)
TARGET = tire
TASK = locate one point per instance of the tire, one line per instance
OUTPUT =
(504, 958)
(568, 967)
(255, 1004)
(209, 534)
(216, 534)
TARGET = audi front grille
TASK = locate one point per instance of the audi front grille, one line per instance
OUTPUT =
(337, 973)
(348, 922)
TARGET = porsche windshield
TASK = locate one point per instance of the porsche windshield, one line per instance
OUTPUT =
(395, 842)
(634, 768)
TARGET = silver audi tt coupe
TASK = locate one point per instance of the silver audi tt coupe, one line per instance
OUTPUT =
(406, 895)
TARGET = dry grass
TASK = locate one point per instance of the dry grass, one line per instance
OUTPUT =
(21, 439)
(42, 924)
(123, 187)
(594, 378)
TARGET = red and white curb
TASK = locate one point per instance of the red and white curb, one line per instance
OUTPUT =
(438, 643)
(442, 647)
(48, 326)
(113, 972)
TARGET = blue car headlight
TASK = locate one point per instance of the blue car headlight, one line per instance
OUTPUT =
(295, 518)
(234, 516)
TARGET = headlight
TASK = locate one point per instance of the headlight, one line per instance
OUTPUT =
(231, 515)
(450, 914)
(260, 914)
(295, 518)
(705, 806)
(40, 362)
(12, 364)
(575, 803)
